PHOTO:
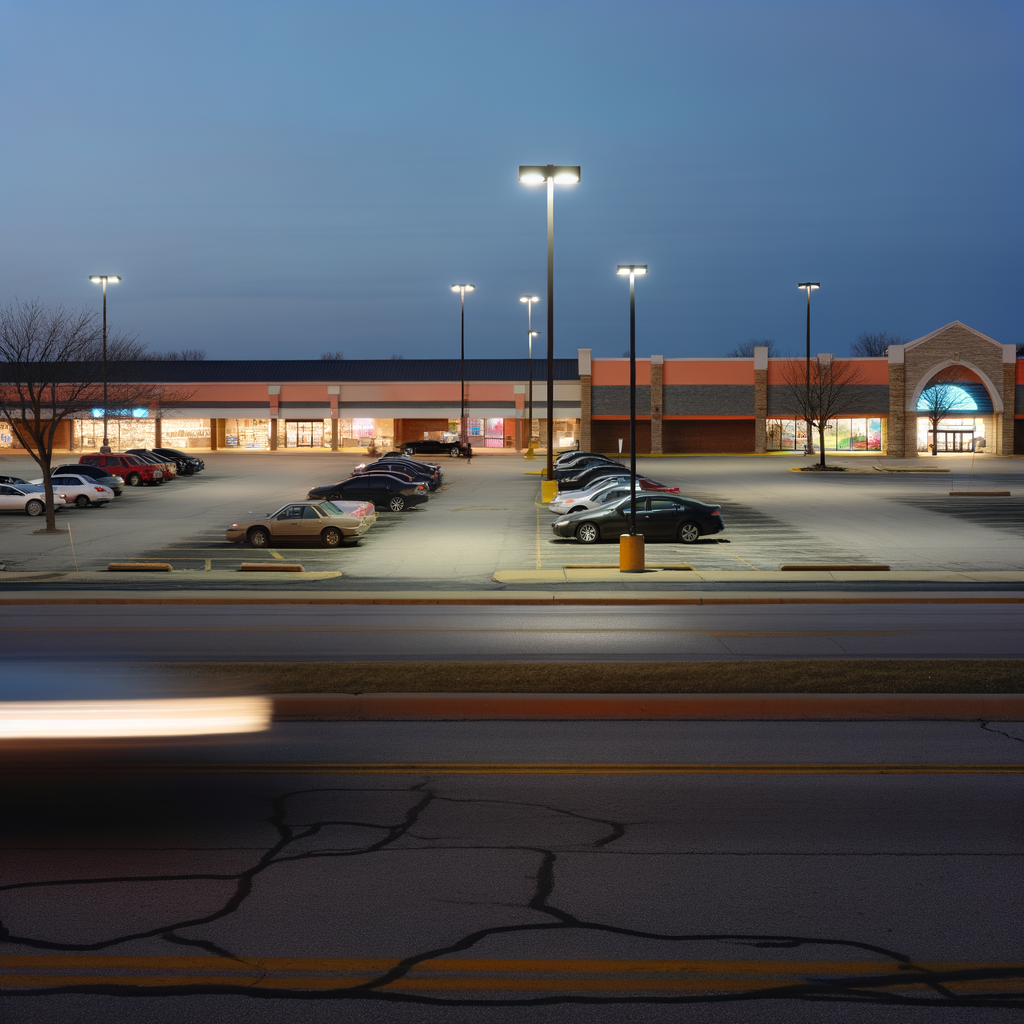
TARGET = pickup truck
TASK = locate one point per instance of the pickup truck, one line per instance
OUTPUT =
(134, 470)
(453, 448)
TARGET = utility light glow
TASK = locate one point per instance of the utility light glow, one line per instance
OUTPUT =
(109, 278)
(636, 269)
(538, 174)
(529, 298)
(95, 719)
(463, 287)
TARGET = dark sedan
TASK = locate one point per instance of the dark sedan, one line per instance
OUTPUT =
(383, 489)
(572, 468)
(592, 474)
(452, 448)
(405, 467)
(187, 464)
(660, 517)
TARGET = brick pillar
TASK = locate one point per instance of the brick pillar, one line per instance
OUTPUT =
(159, 442)
(897, 439)
(273, 433)
(333, 394)
(585, 387)
(657, 402)
(760, 399)
(1009, 398)
(213, 435)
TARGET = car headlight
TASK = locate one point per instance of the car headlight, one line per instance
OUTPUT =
(233, 526)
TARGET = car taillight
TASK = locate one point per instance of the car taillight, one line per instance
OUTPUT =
(100, 489)
(716, 511)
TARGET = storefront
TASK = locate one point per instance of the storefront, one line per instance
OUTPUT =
(136, 430)
(955, 434)
(844, 434)
(241, 433)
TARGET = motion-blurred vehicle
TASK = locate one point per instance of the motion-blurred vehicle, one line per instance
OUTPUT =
(403, 467)
(187, 464)
(101, 476)
(169, 467)
(385, 490)
(575, 501)
(27, 498)
(577, 459)
(80, 490)
(12, 480)
(658, 517)
(453, 448)
(593, 474)
(327, 521)
(418, 462)
(134, 470)
(580, 465)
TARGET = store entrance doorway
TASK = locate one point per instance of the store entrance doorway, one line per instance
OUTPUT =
(956, 441)
(303, 433)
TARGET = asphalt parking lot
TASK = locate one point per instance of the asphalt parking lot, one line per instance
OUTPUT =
(487, 517)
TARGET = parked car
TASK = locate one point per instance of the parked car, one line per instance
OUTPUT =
(327, 521)
(419, 462)
(80, 490)
(592, 474)
(169, 467)
(187, 464)
(12, 480)
(452, 448)
(658, 517)
(96, 473)
(27, 498)
(578, 466)
(578, 459)
(134, 470)
(404, 467)
(385, 490)
(610, 489)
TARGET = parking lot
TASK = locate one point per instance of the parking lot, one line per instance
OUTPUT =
(487, 517)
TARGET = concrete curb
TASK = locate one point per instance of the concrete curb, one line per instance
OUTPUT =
(826, 707)
(491, 598)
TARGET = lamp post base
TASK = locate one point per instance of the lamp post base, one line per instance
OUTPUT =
(631, 553)
(548, 491)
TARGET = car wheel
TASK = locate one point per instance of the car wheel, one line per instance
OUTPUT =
(259, 537)
(397, 503)
(331, 537)
(588, 533)
(409, 452)
(133, 480)
(35, 508)
(454, 453)
(689, 533)
(82, 501)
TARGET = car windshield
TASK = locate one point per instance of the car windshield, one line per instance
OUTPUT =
(330, 508)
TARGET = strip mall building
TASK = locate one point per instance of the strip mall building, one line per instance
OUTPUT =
(712, 405)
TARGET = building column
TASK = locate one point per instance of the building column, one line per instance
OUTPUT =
(657, 402)
(159, 433)
(274, 397)
(585, 388)
(213, 435)
(1009, 398)
(760, 399)
(898, 419)
(334, 393)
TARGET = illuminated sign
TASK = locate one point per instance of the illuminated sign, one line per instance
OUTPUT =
(138, 414)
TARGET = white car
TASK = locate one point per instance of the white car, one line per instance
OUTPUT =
(82, 491)
(27, 498)
(579, 501)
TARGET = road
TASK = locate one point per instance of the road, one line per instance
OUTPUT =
(470, 633)
(182, 885)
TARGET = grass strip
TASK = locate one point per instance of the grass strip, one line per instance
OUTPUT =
(840, 676)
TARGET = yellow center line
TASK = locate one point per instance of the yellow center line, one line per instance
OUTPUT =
(466, 768)
(276, 554)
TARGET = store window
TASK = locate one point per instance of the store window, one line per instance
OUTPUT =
(363, 433)
(843, 434)
(243, 433)
(956, 433)
(122, 432)
(185, 433)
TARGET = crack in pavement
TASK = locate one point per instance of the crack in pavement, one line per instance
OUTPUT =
(897, 968)
(988, 728)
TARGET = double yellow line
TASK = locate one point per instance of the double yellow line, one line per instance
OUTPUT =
(498, 976)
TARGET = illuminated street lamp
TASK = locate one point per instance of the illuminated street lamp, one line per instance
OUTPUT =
(530, 335)
(104, 279)
(462, 289)
(809, 286)
(631, 548)
(553, 175)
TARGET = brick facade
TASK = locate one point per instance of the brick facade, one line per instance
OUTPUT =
(657, 402)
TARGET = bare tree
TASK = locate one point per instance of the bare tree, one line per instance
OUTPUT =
(185, 355)
(51, 370)
(875, 344)
(745, 350)
(332, 355)
(831, 392)
(943, 396)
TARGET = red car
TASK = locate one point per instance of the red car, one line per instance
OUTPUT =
(134, 470)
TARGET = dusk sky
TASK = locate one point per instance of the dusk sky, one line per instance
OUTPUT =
(277, 180)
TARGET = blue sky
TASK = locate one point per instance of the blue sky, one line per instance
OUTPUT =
(276, 180)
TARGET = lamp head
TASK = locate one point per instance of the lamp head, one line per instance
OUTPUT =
(529, 298)
(625, 269)
(533, 334)
(463, 287)
(538, 174)
(100, 278)
(809, 285)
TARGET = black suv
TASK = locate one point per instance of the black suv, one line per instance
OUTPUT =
(453, 448)
(187, 464)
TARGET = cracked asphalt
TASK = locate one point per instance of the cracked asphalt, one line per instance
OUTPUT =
(177, 885)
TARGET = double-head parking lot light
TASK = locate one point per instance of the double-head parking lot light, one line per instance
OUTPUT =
(462, 289)
(105, 279)
(632, 271)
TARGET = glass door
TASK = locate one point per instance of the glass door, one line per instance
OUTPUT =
(303, 433)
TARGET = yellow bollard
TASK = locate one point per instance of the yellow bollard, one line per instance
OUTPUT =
(631, 553)
(529, 454)
(548, 490)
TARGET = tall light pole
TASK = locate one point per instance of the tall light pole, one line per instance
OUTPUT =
(552, 175)
(530, 335)
(631, 548)
(462, 289)
(103, 279)
(808, 286)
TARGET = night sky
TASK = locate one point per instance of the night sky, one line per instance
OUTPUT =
(277, 180)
